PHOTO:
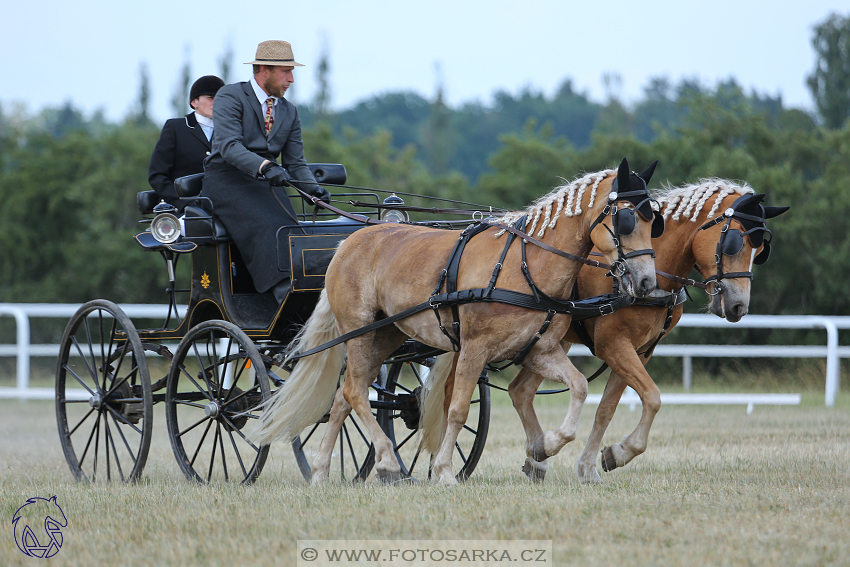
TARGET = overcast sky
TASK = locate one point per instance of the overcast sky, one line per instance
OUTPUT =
(90, 52)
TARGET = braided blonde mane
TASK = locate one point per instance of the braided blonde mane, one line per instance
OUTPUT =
(566, 198)
(689, 200)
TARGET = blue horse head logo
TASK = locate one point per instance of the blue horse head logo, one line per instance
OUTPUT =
(48, 510)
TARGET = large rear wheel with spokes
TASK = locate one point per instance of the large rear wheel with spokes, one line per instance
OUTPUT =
(353, 454)
(400, 420)
(395, 402)
(104, 403)
(216, 385)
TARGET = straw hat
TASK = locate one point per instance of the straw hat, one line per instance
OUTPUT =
(275, 52)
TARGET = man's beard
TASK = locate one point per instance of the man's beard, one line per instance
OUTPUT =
(275, 90)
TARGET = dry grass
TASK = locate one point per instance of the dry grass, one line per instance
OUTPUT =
(716, 487)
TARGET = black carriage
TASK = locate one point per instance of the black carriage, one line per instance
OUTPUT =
(230, 353)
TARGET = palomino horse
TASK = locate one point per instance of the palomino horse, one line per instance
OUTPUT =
(723, 242)
(384, 270)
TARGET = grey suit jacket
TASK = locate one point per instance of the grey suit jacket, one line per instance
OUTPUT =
(252, 210)
(240, 137)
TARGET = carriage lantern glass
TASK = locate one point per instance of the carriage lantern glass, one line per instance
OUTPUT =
(394, 215)
(165, 228)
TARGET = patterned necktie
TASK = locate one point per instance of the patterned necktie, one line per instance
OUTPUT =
(269, 115)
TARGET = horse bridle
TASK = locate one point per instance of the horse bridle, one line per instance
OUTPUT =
(624, 222)
(732, 241)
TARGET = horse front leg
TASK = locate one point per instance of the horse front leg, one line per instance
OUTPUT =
(557, 367)
(632, 371)
(522, 390)
(465, 381)
(586, 467)
(340, 410)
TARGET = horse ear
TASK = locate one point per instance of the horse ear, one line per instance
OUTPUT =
(623, 176)
(770, 212)
(647, 174)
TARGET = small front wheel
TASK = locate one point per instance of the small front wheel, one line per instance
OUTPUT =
(217, 384)
(104, 404)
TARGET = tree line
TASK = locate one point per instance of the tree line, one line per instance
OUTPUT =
(68, 182)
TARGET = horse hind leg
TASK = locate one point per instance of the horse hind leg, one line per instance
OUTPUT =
(586, 467)
(365, 356)
(322, 462)
(556, 366)
(522, 390)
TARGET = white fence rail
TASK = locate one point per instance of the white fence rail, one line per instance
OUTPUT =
(832, 351)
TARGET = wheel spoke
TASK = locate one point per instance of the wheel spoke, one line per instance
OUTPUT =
(238, 455)
(115, 385)
(201, 442)
(203, 370)
(221, 446)
(242, 435)
(124, 419)
(126, 444)
(460, 452)
(192, 379)
(88, 443)
(212, 456)
(242, 395)
(413, 462)
(351, 449)
(191, 427)
(83, 357)
(468, 428)
(78, 379)
(187, 403)
(406, 439)
(115, 450)
(360, 431)
(85, 417)
(304, 442)
(96, 445)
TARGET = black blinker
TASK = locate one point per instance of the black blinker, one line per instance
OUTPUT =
(657, 225)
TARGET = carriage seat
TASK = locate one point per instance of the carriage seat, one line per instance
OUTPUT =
(202, 227)
(146, 201)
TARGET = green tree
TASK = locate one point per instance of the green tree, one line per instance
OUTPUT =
(180, 97)
(830, 81)
(322, 102)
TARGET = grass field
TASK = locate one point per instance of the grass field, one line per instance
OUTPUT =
(715, 487)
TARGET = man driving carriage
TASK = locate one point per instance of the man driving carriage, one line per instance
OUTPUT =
(254, 126)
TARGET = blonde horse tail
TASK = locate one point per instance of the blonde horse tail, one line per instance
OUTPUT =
(309, 391)
(432, 417)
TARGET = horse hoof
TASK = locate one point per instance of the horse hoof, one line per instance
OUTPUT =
(538, 452)
(534, 471)
(609, 463)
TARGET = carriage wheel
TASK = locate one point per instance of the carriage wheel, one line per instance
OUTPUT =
(400, 425)
(353, 455)
(215, 383)
(104, 405)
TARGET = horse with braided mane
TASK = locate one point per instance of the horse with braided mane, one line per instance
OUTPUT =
(381, 271)
(716, 225)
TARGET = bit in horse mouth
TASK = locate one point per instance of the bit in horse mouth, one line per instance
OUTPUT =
(630, 284)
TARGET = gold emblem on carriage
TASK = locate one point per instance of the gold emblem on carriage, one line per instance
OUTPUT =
(205, 281)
